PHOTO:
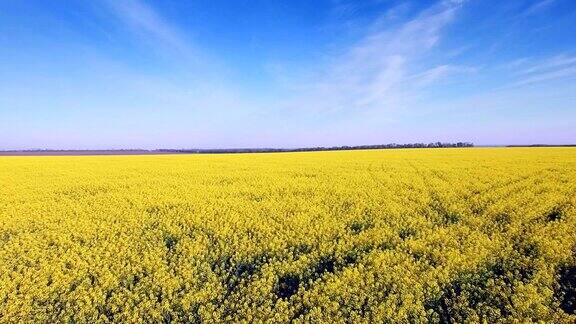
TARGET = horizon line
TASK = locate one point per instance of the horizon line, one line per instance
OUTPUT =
(159, 151)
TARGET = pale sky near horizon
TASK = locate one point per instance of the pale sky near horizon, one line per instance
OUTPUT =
(149, 74)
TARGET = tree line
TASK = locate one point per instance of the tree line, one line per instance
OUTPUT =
(321, 148)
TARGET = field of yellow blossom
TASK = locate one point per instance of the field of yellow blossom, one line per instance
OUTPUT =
(416, 235)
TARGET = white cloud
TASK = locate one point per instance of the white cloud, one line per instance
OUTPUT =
(150, 27)
(384, 69)
(144, 20)
(553, 75)
(437, 73)
(549, 69)
(547, 64)
(190, 80)
(537, 7)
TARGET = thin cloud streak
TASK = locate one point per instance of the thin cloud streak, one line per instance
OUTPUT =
(151, 28)
(537, 7)
(191, 84)
(549, 69)
(549, 63)
(555, 75)
(146, 22)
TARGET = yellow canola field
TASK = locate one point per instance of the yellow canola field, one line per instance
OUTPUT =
(418, 235)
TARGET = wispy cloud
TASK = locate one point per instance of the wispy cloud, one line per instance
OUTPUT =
(152, 28)
(557, 61)
(438, 73)
(537, 7)
(143, 19)
(553, 75)
(554, 68)
(190, 77)
(385, 68)
(184, 90)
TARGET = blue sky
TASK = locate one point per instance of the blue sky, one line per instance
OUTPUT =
(285, 73)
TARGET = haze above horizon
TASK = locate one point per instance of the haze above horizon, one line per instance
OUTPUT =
(278, 73)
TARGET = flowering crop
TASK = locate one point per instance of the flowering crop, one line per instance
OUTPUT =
(434, 235)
